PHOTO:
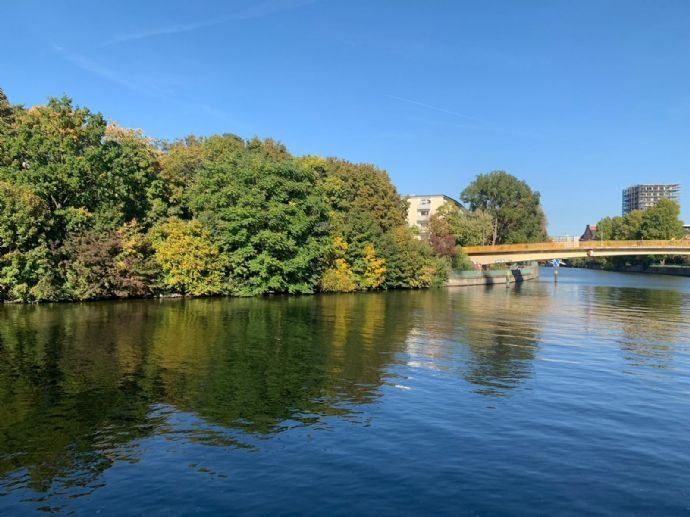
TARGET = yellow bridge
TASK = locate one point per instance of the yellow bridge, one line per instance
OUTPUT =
(564, 250)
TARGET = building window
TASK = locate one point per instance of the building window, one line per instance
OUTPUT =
(423, 212)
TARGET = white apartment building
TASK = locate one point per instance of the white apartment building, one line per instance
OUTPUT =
(421, 208)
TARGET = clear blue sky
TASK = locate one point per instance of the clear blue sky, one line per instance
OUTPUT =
(580, 98)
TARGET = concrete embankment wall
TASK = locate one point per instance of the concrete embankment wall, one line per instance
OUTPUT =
(466, 278)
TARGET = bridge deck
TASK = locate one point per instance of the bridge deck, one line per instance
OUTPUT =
(551, 250)
(586, 245)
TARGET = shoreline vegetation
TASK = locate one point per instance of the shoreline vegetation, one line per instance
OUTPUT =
(659, 222)
(651, 269)
(90, 210)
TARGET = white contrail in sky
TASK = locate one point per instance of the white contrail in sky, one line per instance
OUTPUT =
(259, 10)
(431, 107)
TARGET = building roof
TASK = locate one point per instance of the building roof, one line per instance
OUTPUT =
(589, 232)
(433, 195)
(655, 185)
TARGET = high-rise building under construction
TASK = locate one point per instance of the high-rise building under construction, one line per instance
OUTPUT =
(640, 197)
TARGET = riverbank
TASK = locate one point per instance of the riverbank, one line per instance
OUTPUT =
(669, 270)
(672, 270)
(468, 278)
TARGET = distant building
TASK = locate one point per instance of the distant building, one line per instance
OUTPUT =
(421, 208)
(590, 231)
(641, 197)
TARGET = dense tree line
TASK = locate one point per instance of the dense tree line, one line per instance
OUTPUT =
(90, 210)
(659, 222)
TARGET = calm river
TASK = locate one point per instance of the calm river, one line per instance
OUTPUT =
(539, 399)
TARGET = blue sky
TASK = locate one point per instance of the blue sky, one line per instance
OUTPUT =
(579, 98)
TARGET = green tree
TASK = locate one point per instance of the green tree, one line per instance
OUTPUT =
(475, 228)
(267, 215)
(72, 160)
(621, 228)
(54, 149)
(514, 208)
(409, 261)
(5, 106)
(180, 163)
(29, 276)
(362, 202)
(662, 221)
(132, 187)
(25, 258)
(466, 228)
(444, 229)
(365, 210)
(23, 218)
(659, 222)
(6, 120)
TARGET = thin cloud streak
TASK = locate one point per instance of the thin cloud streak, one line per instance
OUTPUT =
(150, 85)
(431, 107)
(474, 123)
(260, 10)
(138, 85)
(162, 31)
(104, 72)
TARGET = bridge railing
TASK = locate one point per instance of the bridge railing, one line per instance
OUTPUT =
(583, 245)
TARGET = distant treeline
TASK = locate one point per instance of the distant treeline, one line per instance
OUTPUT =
(90, 210)
(659, 222)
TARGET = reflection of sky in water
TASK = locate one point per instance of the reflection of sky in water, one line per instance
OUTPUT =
(414, 401)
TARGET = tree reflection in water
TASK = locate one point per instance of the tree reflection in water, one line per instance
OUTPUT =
(489, 335)
(80, 385)
(648, 322)
(83, 387)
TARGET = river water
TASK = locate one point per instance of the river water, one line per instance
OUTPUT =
(538, 399)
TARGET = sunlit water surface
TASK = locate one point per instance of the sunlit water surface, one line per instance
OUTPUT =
(537, 399)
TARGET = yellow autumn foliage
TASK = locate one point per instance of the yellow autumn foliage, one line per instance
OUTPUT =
(190, 262)
(340, 246)
(339, 278)
(374, 269)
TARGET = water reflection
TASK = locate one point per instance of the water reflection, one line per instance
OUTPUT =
(490, 338)
(85, 387)
(81, 384)
(505, 344)
(647, 321)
